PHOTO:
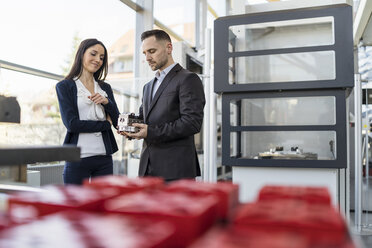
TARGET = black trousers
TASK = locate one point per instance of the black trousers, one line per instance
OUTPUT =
(76, 172)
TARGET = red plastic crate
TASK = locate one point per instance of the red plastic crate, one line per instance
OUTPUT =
(191, 215)
(321, 224)
(5, 221)
(231, 238)
(226, 193)
(125, 184)
(30, 205)
(317, 195)
(86, 230)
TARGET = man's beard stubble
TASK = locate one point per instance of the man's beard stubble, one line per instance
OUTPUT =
(160, 64)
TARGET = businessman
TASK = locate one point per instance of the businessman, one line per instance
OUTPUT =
(172, 110)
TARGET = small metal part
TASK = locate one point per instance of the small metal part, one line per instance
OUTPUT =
(125, 122)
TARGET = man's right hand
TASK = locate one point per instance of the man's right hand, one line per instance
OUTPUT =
(124, 134)
(141, 134)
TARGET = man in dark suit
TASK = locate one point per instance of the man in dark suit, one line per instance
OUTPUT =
(172, 110)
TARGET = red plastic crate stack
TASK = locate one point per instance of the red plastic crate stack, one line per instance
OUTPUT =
(28, 206)
(184, 213)
(87, 230)
(4, 221)
(125, 184)
(237, 238)
(311, 195)
(190, 215)
(305, 212)
(226, 193)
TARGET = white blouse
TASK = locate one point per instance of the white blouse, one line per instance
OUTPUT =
(91, 144)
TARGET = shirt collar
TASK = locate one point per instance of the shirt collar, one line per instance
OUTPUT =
(164, 72)
(76, 79)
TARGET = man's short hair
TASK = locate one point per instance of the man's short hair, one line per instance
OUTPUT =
(159, 35)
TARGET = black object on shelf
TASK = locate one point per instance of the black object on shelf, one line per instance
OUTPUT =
(18, 155)
(9, 110)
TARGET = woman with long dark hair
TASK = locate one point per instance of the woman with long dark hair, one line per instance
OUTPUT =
(88, 110)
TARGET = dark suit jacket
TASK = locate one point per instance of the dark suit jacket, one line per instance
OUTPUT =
(67, 99)
(173, 117)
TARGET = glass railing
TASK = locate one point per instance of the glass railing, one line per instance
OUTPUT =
(41, 123)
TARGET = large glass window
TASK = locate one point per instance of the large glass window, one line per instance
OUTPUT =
(178, 16)
(219, 6)
(44, 35)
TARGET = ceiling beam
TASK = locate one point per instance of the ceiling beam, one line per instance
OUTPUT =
(213, 12)
(361, 20)
(132, 5)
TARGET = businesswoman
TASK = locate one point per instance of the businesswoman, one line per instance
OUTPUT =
(88, 110)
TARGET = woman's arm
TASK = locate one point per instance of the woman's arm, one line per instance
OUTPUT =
(70, 114)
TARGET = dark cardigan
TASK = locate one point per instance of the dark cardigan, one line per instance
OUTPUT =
(67, 99)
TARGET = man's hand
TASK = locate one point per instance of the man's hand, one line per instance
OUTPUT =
(141, 134)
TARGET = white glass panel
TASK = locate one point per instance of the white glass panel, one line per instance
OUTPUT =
(320, 110)
(233, 147)
(290, 67)
(283, 34)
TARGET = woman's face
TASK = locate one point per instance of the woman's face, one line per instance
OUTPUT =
(93, 58)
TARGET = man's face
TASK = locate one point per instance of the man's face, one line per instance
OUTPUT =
(156, 52)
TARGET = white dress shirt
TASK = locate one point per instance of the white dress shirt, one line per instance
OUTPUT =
(91, 144)
(160, 77)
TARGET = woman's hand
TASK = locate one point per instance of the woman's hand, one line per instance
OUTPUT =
(98, 99)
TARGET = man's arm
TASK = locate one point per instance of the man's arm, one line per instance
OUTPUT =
(111, 107)
(192, 101)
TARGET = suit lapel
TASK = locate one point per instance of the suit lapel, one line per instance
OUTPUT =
(168, 78)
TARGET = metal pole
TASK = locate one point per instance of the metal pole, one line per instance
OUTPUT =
(197, 25)
(347, 175)
(358, 153)
(367, 159)
(206, 132)
(212, 112)
(124, 157)
(207, 118)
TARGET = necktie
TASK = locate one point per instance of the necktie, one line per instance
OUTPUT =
(154, 88)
